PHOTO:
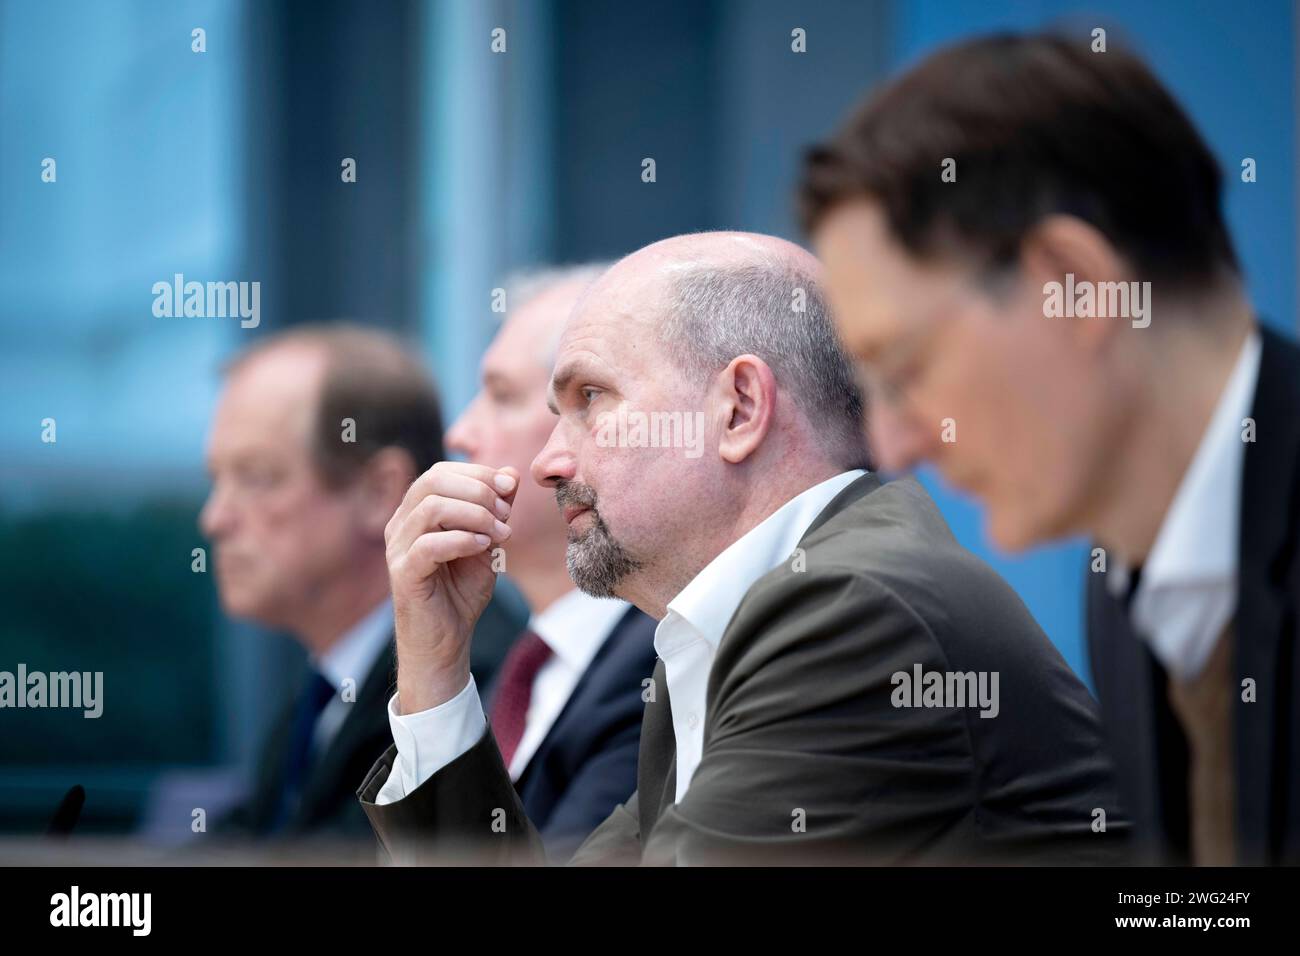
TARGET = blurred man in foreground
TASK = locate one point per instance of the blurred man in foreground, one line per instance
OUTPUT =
(318, 433)
(1026, 253)
(816, 626)
(566, 706)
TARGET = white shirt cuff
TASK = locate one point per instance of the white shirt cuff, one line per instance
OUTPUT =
(429, 740)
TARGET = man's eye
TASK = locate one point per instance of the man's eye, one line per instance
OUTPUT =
(589, 394)
(259, 477)
(908, 375)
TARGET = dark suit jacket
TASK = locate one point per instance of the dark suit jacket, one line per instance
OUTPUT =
(586, 763)
(1148, 744)
(800, 727)
(328, 806)
(323, 809)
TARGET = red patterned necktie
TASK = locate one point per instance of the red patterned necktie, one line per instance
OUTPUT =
(514, 691)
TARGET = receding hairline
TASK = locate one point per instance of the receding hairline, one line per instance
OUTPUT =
(330, 340)
(658, 269)
(366, 367)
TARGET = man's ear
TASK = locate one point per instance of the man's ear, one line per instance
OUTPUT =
(382, 485)
(747, 393)
(1062, 245)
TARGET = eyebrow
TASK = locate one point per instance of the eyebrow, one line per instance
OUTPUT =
(862, 349)
(867, 351)
(560, 380)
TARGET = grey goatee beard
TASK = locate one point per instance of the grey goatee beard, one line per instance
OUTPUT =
(596, 561)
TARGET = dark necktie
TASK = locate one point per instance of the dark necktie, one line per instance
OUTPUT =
(1134, 582)
(514, 691)
(315, 694)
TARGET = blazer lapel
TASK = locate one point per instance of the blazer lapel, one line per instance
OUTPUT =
(1263, 650)
(1143, 743)
(367, 718)
(656, 772)
(571, 705)
(657, 757)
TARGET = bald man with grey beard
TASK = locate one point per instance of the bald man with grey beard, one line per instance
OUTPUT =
(839, 681)
(566, 704)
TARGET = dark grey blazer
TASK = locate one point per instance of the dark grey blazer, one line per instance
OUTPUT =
(800, 727)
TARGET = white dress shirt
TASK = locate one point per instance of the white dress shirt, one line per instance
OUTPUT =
(574, 627)
(1188, 590)
(687, 638)
(350, 659)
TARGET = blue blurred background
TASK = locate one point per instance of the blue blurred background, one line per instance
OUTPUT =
(225, 165)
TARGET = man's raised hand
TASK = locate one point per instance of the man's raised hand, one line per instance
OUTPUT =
(439, 550)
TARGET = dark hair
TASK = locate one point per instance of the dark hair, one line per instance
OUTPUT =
(1037, 125)
(370, 377)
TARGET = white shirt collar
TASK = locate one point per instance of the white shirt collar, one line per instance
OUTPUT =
(713, 595)
(576, 624)
(1198, 540)
(688, 637)
(355, 653)
(1189, 581)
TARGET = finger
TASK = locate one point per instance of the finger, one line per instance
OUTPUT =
(447, 482)
(450, 484)
(430, 551)
(504, 481)
(483, 473)
(437, 513)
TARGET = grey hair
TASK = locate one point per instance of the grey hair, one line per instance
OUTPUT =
(717, 312)
(525, 285)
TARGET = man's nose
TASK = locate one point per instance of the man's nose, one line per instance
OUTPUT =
(897, 440)
(216, 515)
(555, 461)
(460, 437)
